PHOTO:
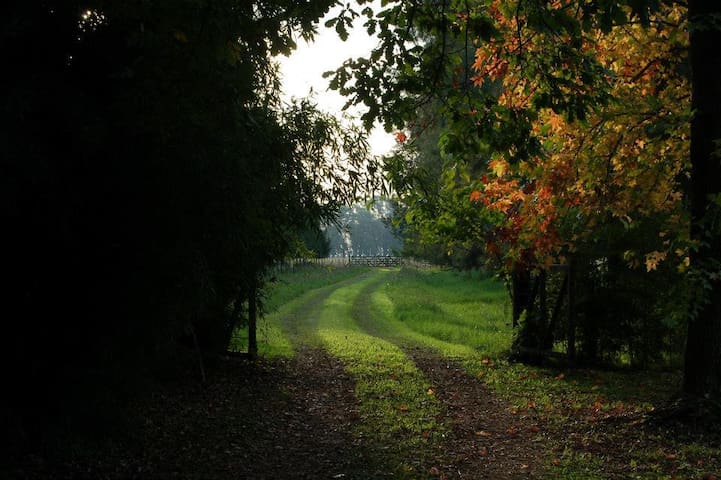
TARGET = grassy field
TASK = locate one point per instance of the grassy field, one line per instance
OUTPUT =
(594, 422)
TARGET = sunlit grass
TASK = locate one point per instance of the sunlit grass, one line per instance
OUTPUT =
(447, 311)
(468, 319)
(367, 321)
(290, 284)
(286, 294)
(397, 407)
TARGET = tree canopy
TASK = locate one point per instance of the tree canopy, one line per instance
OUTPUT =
(150, 175)
(567, 132)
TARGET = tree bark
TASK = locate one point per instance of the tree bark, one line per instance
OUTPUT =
(702, 369)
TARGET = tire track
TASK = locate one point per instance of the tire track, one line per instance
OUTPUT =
(486, 440)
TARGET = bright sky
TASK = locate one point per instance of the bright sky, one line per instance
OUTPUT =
(304, 69)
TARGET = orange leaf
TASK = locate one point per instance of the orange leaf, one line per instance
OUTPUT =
(669, 456)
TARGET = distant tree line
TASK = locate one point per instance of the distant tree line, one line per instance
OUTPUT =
(364, 230)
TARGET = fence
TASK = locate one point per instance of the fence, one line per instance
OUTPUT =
(376, 261)
(369, 261)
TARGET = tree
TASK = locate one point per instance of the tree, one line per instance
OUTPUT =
(150, 175)
(702, 373)
(545, 55)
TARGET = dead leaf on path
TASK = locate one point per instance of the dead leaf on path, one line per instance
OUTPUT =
(512, 431)
(524, 466)
(483, 451)
(668, 456)
(434, 471)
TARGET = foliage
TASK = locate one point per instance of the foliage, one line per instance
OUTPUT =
(538, 133)
(150, 175)
(363, 230)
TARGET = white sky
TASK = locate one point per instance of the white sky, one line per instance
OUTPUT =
(303, 70)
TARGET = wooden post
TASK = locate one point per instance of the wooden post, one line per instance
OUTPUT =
(252, 322)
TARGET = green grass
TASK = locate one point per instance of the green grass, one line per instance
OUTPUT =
(285, 295)
(363, 319)
(447, 311)
(398, 409)
(291, 284)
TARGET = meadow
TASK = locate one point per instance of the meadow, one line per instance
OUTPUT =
(585, 422)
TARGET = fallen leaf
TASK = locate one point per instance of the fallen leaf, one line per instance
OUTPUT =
(512, 431)
(483, 451)
(669, 456)
(556, 461)
(431, 392)
(483, 433)
(434, 471)
(535, 429)
(403, 408)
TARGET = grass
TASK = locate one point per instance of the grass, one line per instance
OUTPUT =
(363, 319)
(285, 295)
(398, 409)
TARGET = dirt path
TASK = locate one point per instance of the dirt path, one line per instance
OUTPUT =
(487, 440)
(296, 419)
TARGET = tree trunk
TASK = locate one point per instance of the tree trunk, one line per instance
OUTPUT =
(252, 322)
(521, 291)
(702, 369)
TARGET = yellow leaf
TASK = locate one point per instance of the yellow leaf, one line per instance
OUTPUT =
(498, 167)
